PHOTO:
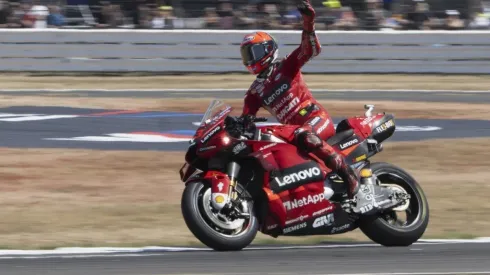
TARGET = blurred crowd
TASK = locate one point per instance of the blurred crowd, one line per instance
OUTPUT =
(246, 14)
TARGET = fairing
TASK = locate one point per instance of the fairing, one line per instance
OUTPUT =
(295, 185)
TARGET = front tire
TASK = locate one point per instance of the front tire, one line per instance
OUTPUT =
(217, 234)
(385, 228)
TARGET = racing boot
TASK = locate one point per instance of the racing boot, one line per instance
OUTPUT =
(359, 202)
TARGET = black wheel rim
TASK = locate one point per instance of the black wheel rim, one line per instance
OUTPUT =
(409, 217)
(203, 214)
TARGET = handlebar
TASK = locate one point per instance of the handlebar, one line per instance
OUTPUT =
(240, 126)
(260, 119)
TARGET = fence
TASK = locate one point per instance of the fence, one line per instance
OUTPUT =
(218, 51)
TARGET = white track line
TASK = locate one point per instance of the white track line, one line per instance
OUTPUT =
(231, 90)
(160, 250)
(415, 273)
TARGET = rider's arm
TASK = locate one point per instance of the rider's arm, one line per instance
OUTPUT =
(310, 45)
(251, 105)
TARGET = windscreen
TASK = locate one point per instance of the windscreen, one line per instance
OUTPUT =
(216, 111)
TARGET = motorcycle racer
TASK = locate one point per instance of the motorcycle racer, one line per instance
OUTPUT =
(282, 91)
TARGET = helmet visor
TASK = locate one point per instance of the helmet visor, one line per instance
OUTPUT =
(252, 53)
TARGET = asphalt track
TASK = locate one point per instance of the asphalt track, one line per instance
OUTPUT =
(62, 127)
(47, 127)
(420, 258)
(364, 95)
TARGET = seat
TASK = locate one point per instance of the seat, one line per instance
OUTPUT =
(340, 137)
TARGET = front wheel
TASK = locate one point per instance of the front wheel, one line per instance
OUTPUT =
(214, 229)
(405, 224)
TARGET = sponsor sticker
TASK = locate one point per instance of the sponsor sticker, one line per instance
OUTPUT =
(367, 120)
(297, 176)
(340, 228)
(278, 76)
(298, 219)
(281, 103)
(248, 38)
(315, 121)
(323, 127)
(385, 126)
(363, 157)
(320, 212)
(219, 199)
(206, 148)
(239, 147)
(270, 227)
(288, 108)
(267, 146)
(290, 205)
(294, 228)
(302, 175)
(323, 221)
(276, 93)
(211, 134)
(349, 144)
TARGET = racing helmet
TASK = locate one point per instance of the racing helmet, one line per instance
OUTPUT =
(258, 51)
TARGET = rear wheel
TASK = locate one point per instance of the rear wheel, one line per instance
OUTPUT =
(214, 229)
(405, 224)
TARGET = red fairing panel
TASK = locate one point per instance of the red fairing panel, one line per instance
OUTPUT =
(290, 199)
(220, 187)
(363, 125)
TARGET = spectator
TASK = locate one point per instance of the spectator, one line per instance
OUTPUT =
(387, 5)
(111, 16)
(55, 18)
(40, 14)
(453, 20)
(144, 17)
(292, 16)
(211, 18)
(268, 17)
(347, 21)
(4, 13)
(480, 21)
(226, 15)
(418, 18)
(27, 19)
(241, 20)
(375, 17)
(163, 18)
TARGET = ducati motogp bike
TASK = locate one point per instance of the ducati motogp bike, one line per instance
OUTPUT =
(241, 179)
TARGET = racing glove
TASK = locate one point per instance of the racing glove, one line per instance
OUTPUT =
(308, 13)
(238, 126)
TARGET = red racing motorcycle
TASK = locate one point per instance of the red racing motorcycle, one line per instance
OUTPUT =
(241, 179)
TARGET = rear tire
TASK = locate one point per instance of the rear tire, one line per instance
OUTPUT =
(380, 228)
(202, 226)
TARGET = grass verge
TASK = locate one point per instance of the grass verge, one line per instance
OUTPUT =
(54, 197)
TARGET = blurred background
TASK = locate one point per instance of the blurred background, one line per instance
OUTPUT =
(246, 14)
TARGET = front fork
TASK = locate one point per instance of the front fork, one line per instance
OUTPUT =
(223, 186)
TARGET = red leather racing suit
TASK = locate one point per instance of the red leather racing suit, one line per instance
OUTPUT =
(282, 91)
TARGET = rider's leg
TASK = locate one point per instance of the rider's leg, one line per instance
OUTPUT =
(310, 138)
(309, 142)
